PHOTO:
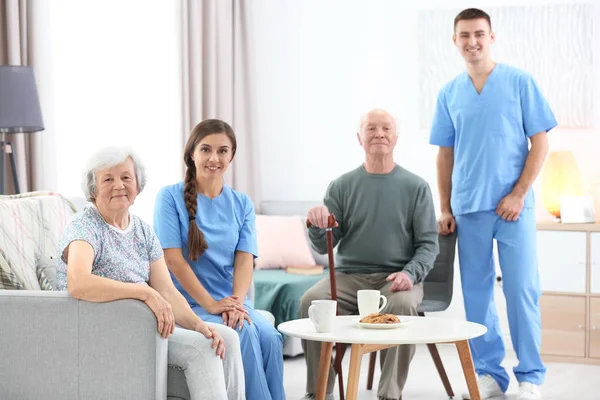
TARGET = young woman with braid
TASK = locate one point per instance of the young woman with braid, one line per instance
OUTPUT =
(207, 231)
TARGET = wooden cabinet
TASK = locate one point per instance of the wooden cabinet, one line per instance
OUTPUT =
(563, 325)
(562, 261)
(595, 327)
(569, 265)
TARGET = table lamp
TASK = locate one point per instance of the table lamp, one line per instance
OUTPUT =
(20, 112)
(561, 177)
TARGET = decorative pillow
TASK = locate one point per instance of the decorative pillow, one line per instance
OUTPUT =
(44, 284)
(281, 242)
(45, 268)
(8, 280)
(31, 223)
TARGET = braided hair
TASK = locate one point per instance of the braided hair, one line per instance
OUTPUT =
(196, 241)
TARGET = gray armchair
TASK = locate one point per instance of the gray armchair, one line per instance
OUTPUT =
(57, 347)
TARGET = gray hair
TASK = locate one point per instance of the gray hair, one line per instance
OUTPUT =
(106, 158)
(364, 117)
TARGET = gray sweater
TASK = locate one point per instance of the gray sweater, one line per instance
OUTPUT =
(386, 223)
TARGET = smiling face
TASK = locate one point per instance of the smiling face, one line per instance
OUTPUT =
(116, 187)
(473, 38)
(212, 155)
(378, 134)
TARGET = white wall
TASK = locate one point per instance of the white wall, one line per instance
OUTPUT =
(318, 72)
(117, 82)
(322, 64)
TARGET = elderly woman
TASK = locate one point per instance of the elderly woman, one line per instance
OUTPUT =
(207, 230)
(110, 254)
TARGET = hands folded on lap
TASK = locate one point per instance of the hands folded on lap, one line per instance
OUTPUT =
(233, 318)
(231, 303)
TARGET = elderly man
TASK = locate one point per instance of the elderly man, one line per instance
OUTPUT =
(386, 230)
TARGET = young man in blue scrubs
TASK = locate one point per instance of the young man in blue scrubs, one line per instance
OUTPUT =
(484, 121)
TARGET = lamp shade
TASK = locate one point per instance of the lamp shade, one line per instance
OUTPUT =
(19, 103)
(561, 177)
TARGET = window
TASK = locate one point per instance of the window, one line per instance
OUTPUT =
(116, 81)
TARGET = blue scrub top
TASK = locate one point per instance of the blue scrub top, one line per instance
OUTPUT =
(228, 225)
(489, 133)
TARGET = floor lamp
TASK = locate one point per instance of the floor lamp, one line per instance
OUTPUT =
(20, 112)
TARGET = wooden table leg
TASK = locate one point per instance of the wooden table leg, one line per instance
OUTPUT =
(324, 364)
(372, 362)
(435, 354)
(355, 358)
(464, 353)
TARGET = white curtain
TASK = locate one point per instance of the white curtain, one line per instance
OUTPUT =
(217, 75)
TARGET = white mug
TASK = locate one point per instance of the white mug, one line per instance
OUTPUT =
(322, 314)
(368, 302)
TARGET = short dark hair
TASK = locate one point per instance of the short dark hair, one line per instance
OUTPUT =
(472, 13)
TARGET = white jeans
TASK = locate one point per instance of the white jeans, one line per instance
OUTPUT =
(207, 376)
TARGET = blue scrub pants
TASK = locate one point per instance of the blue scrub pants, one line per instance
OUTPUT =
(518, 262)
(262, 355)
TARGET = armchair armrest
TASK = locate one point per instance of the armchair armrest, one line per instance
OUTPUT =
(56, 347)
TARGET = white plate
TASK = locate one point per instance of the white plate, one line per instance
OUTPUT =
(367, 325)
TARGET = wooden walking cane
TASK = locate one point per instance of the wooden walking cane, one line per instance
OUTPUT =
(339, 352)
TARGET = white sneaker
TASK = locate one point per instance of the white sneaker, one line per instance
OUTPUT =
(489, 389)
(307, 396)
(528, 391)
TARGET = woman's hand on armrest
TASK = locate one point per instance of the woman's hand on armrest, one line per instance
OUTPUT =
(162, 285)
(163, 311)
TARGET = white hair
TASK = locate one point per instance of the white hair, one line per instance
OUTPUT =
(106, 158)
(364, 117)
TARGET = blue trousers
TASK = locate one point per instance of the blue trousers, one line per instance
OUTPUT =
(518, 262)
(262, 355)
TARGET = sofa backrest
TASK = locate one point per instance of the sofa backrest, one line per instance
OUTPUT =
(30, 226)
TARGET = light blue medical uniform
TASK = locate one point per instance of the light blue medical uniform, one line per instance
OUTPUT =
(489, 134)
(228, 225)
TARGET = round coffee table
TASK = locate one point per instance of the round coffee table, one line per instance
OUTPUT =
(417, 330)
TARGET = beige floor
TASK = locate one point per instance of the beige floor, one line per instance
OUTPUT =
(563, 381)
